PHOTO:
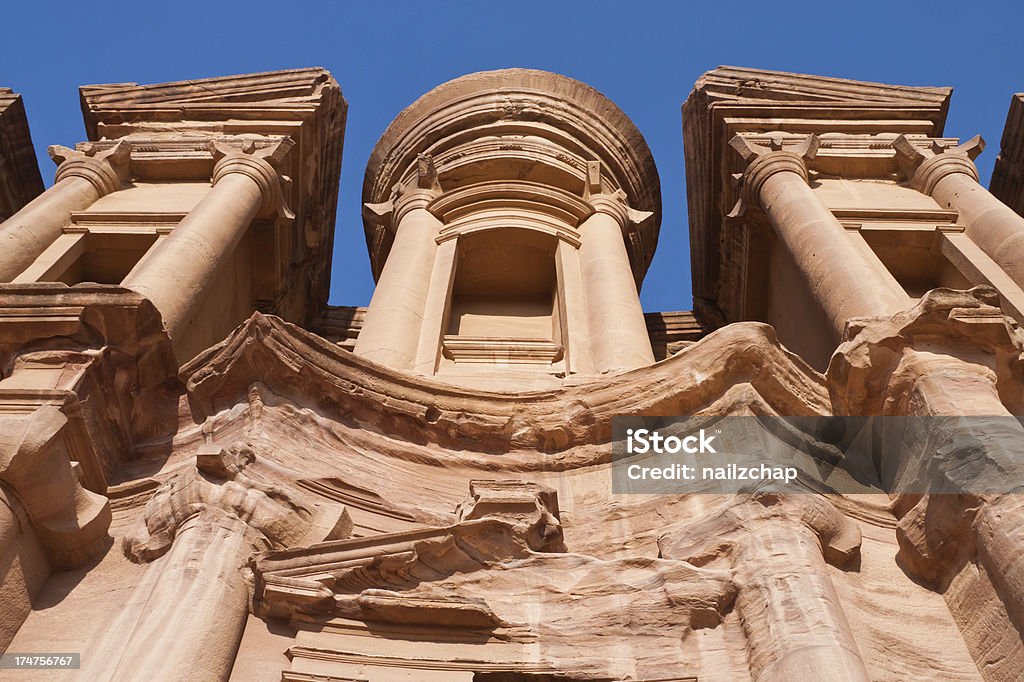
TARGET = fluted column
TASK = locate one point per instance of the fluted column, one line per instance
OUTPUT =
(950, 177)
(82, 178)
(837, 273)
(615, 318)
(391, 329)
(177, 276)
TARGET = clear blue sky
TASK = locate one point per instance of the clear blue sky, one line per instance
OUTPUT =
(644, 55)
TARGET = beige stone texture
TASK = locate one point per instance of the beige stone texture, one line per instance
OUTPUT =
(1008, 175)
(208, 473)
(20, 181)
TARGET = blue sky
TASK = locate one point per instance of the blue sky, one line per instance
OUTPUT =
(644, 55)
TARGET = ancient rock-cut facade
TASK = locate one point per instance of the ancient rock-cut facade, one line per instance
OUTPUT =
(20, 181)
(208, 473)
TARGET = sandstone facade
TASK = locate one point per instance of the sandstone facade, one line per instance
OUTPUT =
(208, 473)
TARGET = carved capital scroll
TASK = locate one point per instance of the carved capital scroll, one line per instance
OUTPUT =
(926, 166)
(763, 162)
(107, 170)
(262, 165)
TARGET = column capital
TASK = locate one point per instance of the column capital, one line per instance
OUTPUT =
(423, 189)
(262, 165)
(763, 162)
(107, 170)
(230, 483)
(926, 166)
(617, 206)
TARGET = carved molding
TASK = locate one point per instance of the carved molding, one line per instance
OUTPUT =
(502, 520)
(255, 352)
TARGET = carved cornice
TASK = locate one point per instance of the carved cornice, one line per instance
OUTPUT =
(20, 181)
(489, 350)
(517, 204)
(117, 357)
(87, 316)
(502, 520)
(1007, 183)
(765, 88)
(111, 107)
(453, 205)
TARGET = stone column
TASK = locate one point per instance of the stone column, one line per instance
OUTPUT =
(189, 610)
(615, 319)
(791, 611)
(436, 311)
(779, 546)
(838, 275)
(176, 278)
(394, 320)
(950, 177)
(82, 178)
(572, 309)
(184, 620)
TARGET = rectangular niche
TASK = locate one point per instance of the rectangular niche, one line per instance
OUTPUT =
(503, 308)
(83, 255)
(915, 258)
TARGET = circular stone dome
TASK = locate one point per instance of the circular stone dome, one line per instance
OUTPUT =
(541, 126)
